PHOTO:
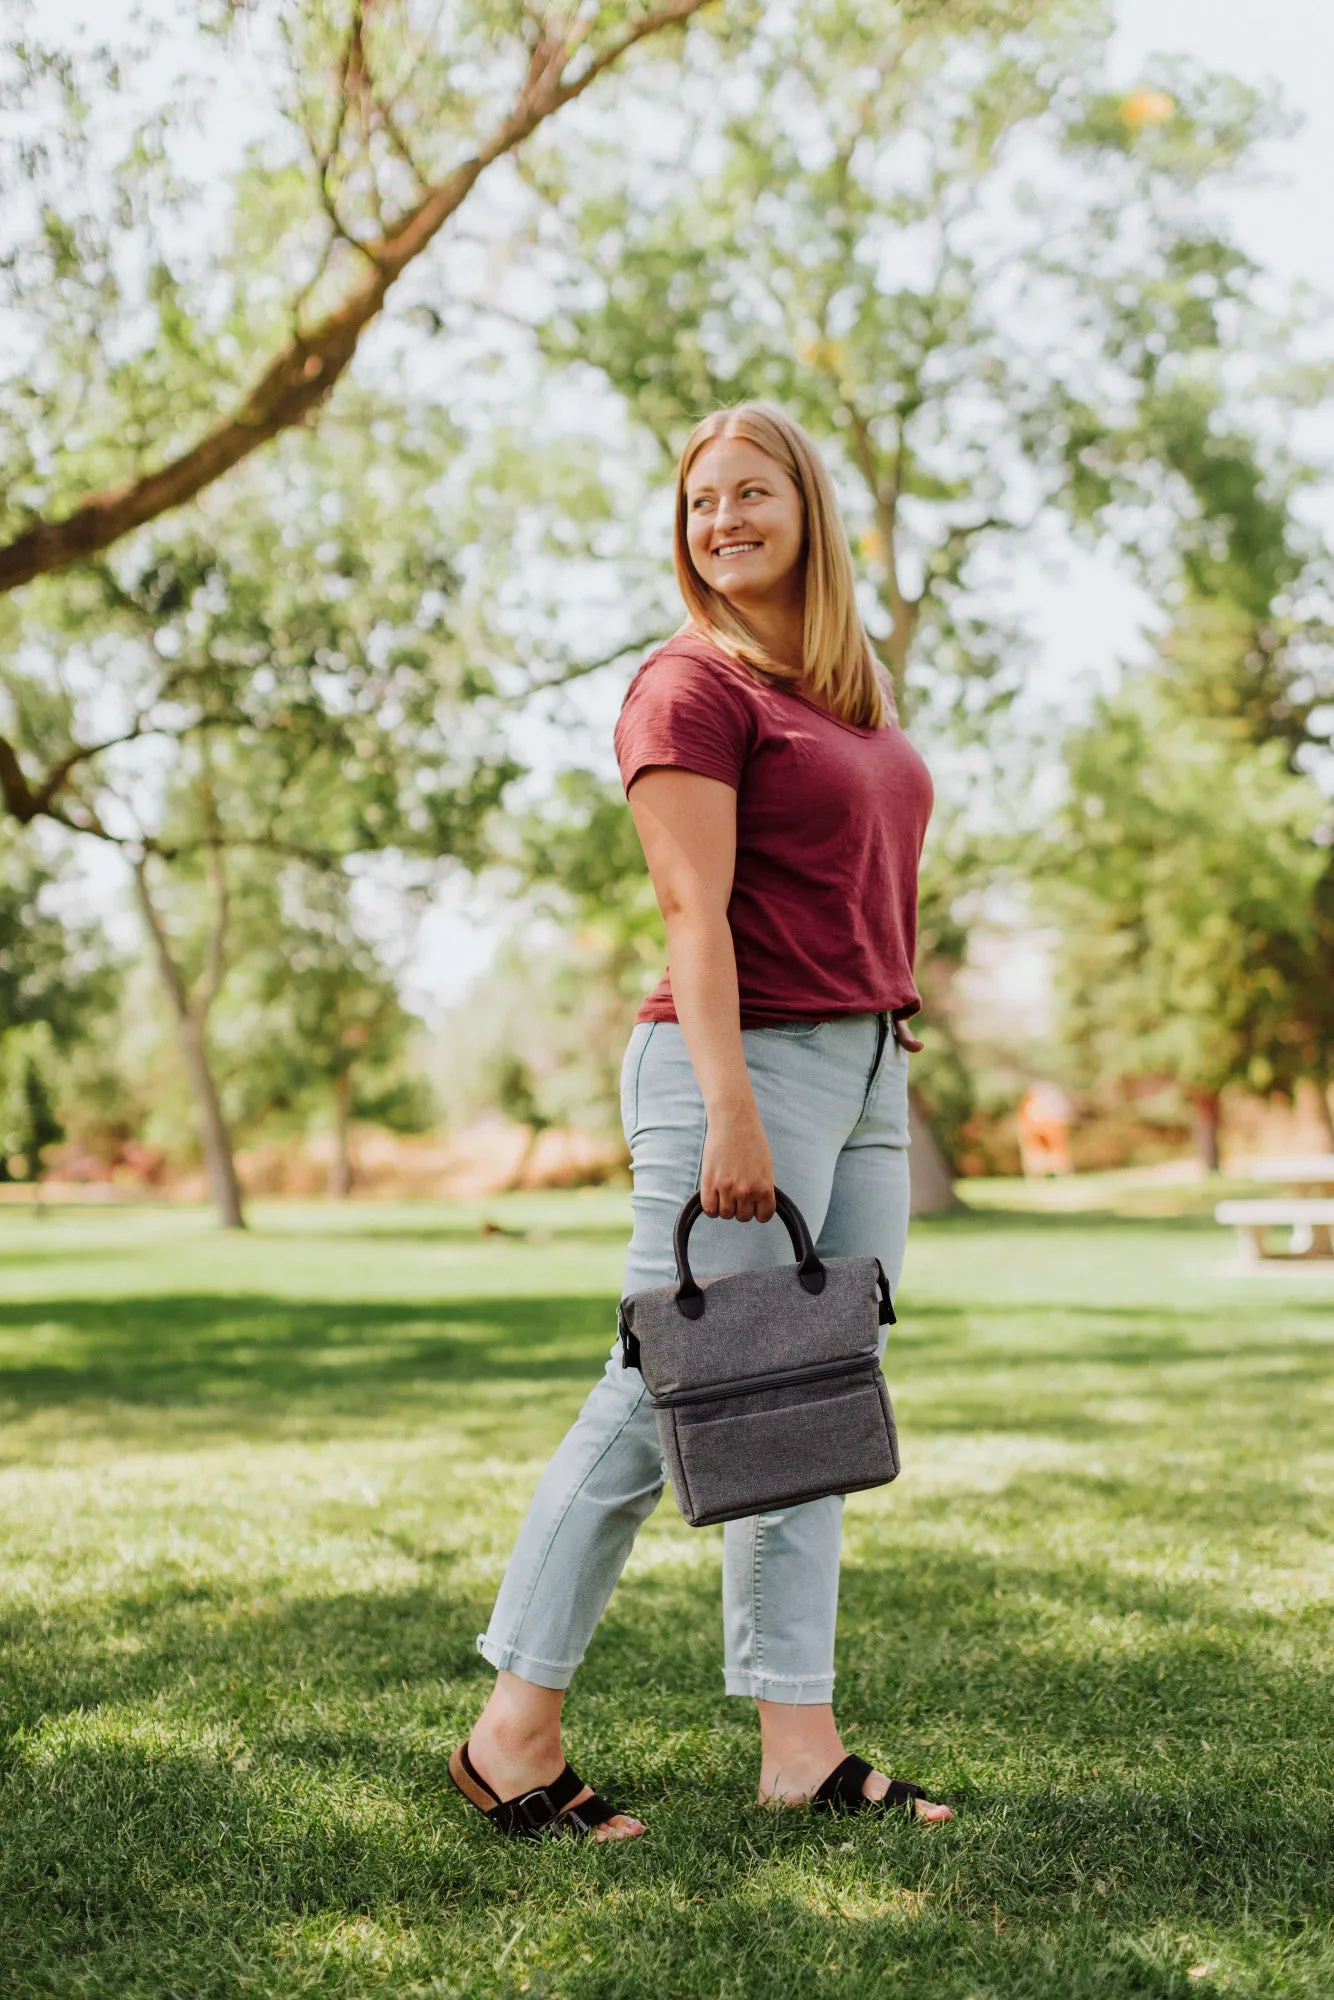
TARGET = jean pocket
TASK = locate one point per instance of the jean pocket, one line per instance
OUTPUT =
(790, 1031)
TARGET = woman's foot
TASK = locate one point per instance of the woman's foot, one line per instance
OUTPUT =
(800, 1746)
(515, 1747)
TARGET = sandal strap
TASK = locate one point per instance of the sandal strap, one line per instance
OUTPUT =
(842, 1789)
(531, 1813)
(589, 1813)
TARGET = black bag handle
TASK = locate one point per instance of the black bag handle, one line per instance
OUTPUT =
(810, 1271)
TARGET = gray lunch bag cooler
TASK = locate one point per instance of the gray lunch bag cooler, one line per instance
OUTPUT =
(766, 1384)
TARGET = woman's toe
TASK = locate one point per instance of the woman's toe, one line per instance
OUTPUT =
(619, 1827)
(926, 1810)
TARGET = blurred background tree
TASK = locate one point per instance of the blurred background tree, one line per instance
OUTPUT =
(137, 321)
(1184, 869)
(283, 679)
(280, 664)
(311, 1027)
(56, 980)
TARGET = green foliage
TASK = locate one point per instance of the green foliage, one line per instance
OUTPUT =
(293, 654)
(542, 1035)
(57, 986)
(243, 705)
(309, 1011)
(51, 971)
(579, 850)
(147, 311)
(513, 1092)
(1184, 870)
(28, 1120)
(936, 238)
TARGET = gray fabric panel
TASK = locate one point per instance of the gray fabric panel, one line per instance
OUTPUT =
(725, 1458)
(755, 1323)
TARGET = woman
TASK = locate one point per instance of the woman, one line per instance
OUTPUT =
(782, 814)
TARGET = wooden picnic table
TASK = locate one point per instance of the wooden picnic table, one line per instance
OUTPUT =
(1306, 1211)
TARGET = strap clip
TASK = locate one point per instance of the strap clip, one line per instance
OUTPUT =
(629, 1340)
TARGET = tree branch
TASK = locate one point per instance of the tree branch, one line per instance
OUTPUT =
(583, 668)
(299, 378)
(15, 791)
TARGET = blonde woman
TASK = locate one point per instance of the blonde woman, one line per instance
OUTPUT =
(782, 813)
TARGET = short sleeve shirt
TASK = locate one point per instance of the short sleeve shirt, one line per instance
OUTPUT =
(830, 823)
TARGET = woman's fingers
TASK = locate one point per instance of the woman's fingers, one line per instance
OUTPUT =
(733, 1204)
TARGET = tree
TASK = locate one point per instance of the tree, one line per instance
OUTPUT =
(984, 280)
(1184, 869)
(287, 684)
(515, 1092)
(28, 1121)
(52, 973)
(131, 337)
(54, 978)
(312, 1019)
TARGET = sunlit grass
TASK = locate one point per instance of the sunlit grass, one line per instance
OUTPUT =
(256, 1497)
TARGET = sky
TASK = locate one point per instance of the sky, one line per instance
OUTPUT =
(1089, 620)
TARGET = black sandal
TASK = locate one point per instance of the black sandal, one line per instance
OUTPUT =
(842, 1792)
(546, 1809)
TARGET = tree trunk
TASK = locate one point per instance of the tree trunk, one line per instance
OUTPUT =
(215, 1139)
(191, 1025)
(1325, 1108)
(932, 1182)
(1207, 1118)
(515, 1180)
(340, 1167)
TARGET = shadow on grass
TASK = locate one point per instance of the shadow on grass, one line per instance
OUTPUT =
(248, 1355)
(254, 1362)
(537, 1235)
(258, 1780)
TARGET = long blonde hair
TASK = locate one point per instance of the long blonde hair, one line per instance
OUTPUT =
(836, 652)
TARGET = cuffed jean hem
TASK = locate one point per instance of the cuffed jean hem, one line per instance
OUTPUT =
(542, 1673)
(810, 1691)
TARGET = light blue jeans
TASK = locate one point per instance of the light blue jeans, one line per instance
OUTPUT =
(837, 1123)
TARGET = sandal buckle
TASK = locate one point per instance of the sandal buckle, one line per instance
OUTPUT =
(544, 1811)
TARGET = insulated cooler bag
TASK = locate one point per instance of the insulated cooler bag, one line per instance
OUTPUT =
(766, 1384)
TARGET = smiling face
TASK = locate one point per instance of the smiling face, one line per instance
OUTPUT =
(745, 527)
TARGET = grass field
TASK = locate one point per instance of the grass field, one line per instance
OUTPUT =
(256, 1496)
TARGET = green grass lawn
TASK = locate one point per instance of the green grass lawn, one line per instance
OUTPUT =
(256, 1496)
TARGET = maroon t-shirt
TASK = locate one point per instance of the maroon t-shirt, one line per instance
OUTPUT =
(830, 823)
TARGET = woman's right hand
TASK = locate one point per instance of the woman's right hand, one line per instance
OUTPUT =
(736, 1180)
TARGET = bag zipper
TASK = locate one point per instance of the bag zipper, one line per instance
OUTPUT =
(788, 1378)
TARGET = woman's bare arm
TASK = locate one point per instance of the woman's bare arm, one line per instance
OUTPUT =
(687, 825)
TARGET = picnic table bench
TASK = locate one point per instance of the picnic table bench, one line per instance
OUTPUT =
(1307, 1216)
